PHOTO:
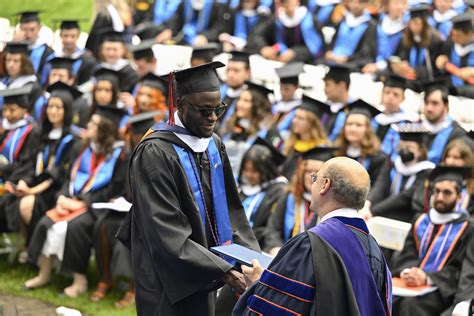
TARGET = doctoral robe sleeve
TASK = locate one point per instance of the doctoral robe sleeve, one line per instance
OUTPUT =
(184, 266)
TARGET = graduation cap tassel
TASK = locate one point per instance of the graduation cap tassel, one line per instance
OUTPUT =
(171, 98)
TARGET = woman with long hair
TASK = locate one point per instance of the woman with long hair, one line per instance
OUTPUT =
(97, 175)
(151, 96)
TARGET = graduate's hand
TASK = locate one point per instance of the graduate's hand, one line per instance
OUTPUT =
(22, 189)
(127, 99)
(274, 251)
(370, 68)
(235, 280)
(200, 40)
(269, 52)
(252, 274)
(164, 36)
(466, 73)
(441, 61)
(287, 56)
(61, 211)
(414, 277)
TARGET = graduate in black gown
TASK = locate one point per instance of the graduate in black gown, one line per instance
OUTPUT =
(53, 154)
(65, 232)
(17, 141)
(184, 201)
(435, 247)
(335, 268)
(144, 58)
(203, 54)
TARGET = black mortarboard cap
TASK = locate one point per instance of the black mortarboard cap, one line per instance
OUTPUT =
(63, 90)
(18, 96)
(413, 132)
(361, 107)
(112, 113)
(154, 81)
(420, 11)
(205, 52)
(143, 49)
(441, 83)
(69, 24)
(322, 153)
(339, 72)
(202, 78)
(289, 73)
(395, 81)
(470, 134)
(140, 123)
(29, 16)
(148, 30)
(62, 63)
(110, 35)
(20, 47)
(109, 75)
(463, 21)
(277, 156)
(449, 173)
(315, 106)
(239, 56)
(258, 87)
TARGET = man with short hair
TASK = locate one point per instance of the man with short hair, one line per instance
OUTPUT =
(335, 268)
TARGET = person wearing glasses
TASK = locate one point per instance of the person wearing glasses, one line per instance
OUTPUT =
(435, 247)
(185, 201)
(334, 268)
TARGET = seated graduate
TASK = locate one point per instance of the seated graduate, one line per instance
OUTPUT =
(336, 89)
(65, 232)
(358, 141)
(106, 88)
(441, 126)
(336, 267)
(307, 132)
(355, 39)
(393, 94)
(458, 51)
(17, 139)
(323, 10)
(194, 23)
(260, 185)
(435, 247)
(203, 54)
(34, 194)
(251, 119)
(292, 215)
(239, 25)
(19, 70)
(292, 35)
(420, 47)
(84, 61)
(151, 96)
(441, 17)
(144, 58)
(389, 35)
(407, 177)
(164, 10)
(39, 51)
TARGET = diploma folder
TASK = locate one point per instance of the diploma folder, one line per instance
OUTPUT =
(242, 255)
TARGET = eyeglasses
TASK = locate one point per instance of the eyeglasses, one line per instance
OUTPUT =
(314, 177)
(206, 111)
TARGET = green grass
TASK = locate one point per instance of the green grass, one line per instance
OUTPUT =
(51, 10)
(12, 276)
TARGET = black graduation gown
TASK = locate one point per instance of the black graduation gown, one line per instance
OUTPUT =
(102, 21)
(465, 289)
(446, 279)
(407, 203)
(465, 89)
(128, 79)
(78, 242)
(457, 133)
(174, 272)
(43, 61)
(379, 172)
(86, 69)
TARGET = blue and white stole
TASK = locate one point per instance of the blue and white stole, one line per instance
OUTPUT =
(13, 142)
(435, 152)
(400, 170)
(195, 22)
(284, 123)
(243, 25)
(40, 105)
(386, 43)
(163, 10)
(36, 55)
(311, 38)
(85, 177)
(434, 251)
(323, 13)
(348, 38)
(294, 223)
(45, 160)
(416, 56)
(456, 59)
(251, 205)
(338, 125)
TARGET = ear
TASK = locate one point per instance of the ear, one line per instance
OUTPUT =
(325, 186)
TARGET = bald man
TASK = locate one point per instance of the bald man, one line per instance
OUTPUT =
(335, 268)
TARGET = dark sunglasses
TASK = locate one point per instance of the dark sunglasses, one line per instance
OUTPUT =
(206, 111)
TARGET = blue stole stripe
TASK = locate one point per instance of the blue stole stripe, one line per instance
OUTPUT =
(39, 106)
(243, 26)
(263, 307)
(441, 140)
(35, 56)
(444, 28)
(61, 148)
(387, 44)
(338, 125)
(390, 142)
(324, 13)
(285, 123)
(194, 24)
(289, 219)
(13, 143)
(455, 59)
(417, 56)
(229, 112)
(219, 197)
(345, 243)
(301, 291)
(164, 10)
(348, 38)
(103, 174)
(365, 162)
(44, 156)
(76, 66)
(254, 202)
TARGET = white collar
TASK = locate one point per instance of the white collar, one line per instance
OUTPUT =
(353, 152)
(323, 3)
(249, 13)
(55, 133)
(341, 212)
(78, 52)
(22, 80)
(307, 196)
(353, 21)
(335, 106)
(437, 127)
(117, 23)
(197, 4)
(410, 170)
(198, 145)
(295, 20)
(438, 218)
(390, 118)
(390, 26)
(8, 126)
(233, 93)
(250, 190)
(37, 43)
(463, 50)
(286, 106)
(119, 65)
(442, 17)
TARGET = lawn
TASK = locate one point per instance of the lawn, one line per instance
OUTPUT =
(13, 276)
(51, 10)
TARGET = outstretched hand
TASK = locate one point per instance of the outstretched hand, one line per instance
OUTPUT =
(252, 274)
(235, 280)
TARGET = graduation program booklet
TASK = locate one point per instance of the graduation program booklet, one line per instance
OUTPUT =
(400, 289)
(120, 205)
(242, 254)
